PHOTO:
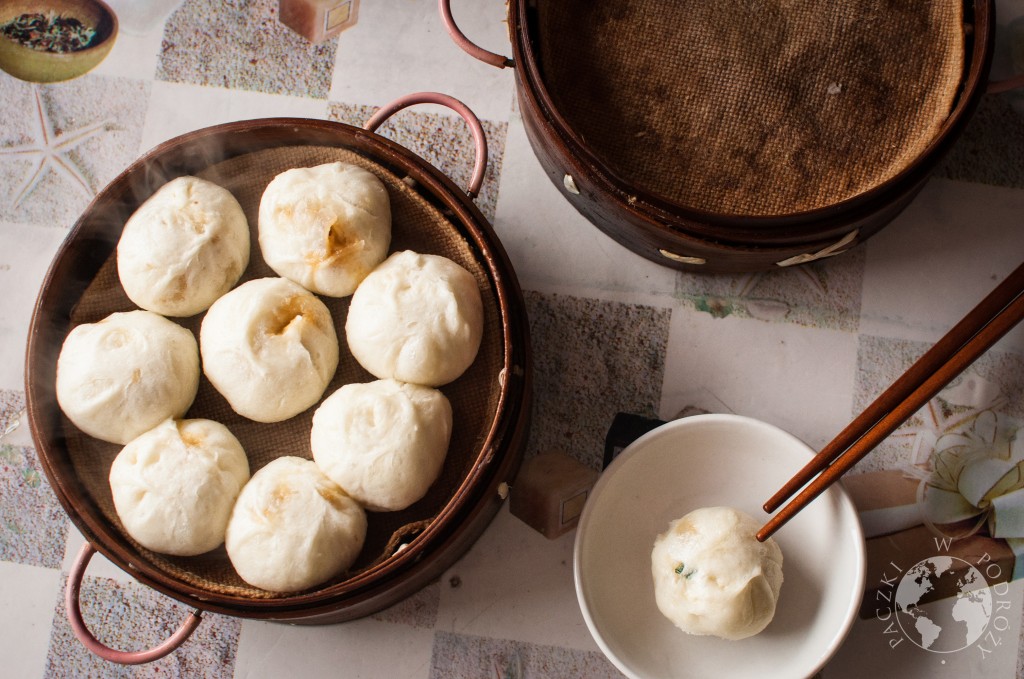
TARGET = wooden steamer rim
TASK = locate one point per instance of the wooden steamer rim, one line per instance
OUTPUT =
(446, 535)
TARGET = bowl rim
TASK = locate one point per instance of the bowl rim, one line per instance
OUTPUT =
(669, 429)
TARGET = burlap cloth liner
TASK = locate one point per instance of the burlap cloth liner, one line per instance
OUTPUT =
(417, 225)
(753, 107)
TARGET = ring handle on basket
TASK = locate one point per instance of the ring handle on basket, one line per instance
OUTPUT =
(475, 128)
(97, 647)
(468, 46)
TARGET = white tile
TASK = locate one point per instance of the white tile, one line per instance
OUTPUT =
(133, 56)
(208, 106)
(351, 649)
(21, 274)
(551, 244)
(29, 595)
(948, 250)
(796, 378)
(514, 583)
(410, 36)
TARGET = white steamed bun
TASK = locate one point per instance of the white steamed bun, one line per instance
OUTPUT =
(183, 248)
(121, 376)
(384, 442)
(713, 577)
(325, 227)
(416, 318)
(175, 485)
(270, 348)
(293, 528)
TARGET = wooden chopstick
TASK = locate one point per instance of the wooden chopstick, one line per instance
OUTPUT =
(940, 353)
(996, 315)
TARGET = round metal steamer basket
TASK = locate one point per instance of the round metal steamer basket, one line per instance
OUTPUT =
(567, 87)
(404, 550)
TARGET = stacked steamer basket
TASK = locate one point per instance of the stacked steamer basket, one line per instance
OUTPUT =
(404, 550)
(743, 136)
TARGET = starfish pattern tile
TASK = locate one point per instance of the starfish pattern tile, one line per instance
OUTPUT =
(49, 150)
(63, 143)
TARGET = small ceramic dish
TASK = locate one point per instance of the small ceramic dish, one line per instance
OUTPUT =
(701, 461)
(41, 66)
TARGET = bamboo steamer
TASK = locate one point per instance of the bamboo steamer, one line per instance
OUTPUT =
(743, 136)
(404, 550)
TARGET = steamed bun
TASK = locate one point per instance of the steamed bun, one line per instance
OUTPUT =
(416, 318)
(325, 227)
(713, 577)
(384, 442)
(121, 376)
(175, 485)
(270, 348)
(183, 248)
(293, 528)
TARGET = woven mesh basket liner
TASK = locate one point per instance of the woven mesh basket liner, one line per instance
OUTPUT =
(753, 107)
(416, 225)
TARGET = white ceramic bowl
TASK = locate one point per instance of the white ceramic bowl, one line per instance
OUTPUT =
(711, 460)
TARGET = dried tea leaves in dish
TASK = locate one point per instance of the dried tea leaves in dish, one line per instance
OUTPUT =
(183, 248)
(293, 528)
(270, 348)
(325, 227)
(174, 486)
(384, 442)
(416, 318)
(121, 376)
(713, 577)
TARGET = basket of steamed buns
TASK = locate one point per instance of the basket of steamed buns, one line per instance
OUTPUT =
(280, 369)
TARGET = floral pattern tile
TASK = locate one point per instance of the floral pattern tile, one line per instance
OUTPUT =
(128, 616)
(990, 393)
(442, 140)
(240, 44)
(592, 359)
(458, 656)
(63, 143)
(825, 294)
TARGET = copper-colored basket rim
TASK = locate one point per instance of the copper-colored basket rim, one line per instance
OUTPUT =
(498, 455)
(810, 225)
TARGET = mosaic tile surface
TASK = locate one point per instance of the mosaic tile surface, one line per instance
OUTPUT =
(823, 294)
(442, 140)
(592, 359)
(12, 405)
(128, 616)
(61, 144)
(240, 44)
(988, 151)
(33, 525)
(418, 610)
(459, 656)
